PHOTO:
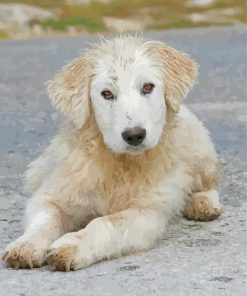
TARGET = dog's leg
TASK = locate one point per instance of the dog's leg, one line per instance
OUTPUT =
(109, 236)
(204, 206)
(45, 223)
(134, 229)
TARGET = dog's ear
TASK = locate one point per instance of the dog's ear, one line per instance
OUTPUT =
(180, 72)
(69, 90)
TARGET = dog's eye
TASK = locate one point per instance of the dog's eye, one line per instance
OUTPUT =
(107, 95)
(147, 88)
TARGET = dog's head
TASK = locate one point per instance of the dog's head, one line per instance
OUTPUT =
(128, 84)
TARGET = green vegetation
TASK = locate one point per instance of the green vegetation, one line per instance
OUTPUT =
(152, 14)
(41, 3)
(3, 35)
(76, 21)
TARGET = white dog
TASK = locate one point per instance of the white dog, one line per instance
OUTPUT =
(130, 158)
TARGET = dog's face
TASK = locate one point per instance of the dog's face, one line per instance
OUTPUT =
(128, 101)
(130, 84)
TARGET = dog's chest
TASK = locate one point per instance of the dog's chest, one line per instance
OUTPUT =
(103, 186)
(117, 189)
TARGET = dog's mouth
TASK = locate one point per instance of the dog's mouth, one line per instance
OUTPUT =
(134, 150)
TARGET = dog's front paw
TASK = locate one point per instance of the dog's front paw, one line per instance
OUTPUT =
(201, 208)
(24, 254)
(63, 258)
(69, 253)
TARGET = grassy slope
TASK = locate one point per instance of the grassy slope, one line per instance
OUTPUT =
(160, 13)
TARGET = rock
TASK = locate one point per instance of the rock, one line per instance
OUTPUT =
(37, 30)
(120, 25)
(217, 16)
(198, 17)
(20, 15)
(200, 2)
(72, 31)
(78, 2)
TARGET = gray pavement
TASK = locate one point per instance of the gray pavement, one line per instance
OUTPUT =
(193, 258)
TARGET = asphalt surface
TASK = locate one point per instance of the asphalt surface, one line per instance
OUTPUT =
(193, 258)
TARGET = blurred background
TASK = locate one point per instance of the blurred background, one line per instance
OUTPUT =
(26, 19)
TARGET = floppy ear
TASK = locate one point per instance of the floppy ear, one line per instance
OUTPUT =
(180, 72)
(69, 90)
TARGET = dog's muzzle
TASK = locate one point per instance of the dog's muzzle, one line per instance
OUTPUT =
(134, 136)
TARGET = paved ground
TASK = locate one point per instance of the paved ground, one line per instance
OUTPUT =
(193, 258)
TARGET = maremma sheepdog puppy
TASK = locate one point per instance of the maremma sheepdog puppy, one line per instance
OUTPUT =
(130, 157)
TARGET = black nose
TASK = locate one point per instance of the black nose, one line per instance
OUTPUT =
(134, 136)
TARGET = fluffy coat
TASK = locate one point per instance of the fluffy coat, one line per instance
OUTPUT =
(86, 180)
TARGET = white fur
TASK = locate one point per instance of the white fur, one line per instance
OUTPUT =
(130, 108)
(88, 178)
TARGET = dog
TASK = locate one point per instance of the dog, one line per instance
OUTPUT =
(130, 157)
